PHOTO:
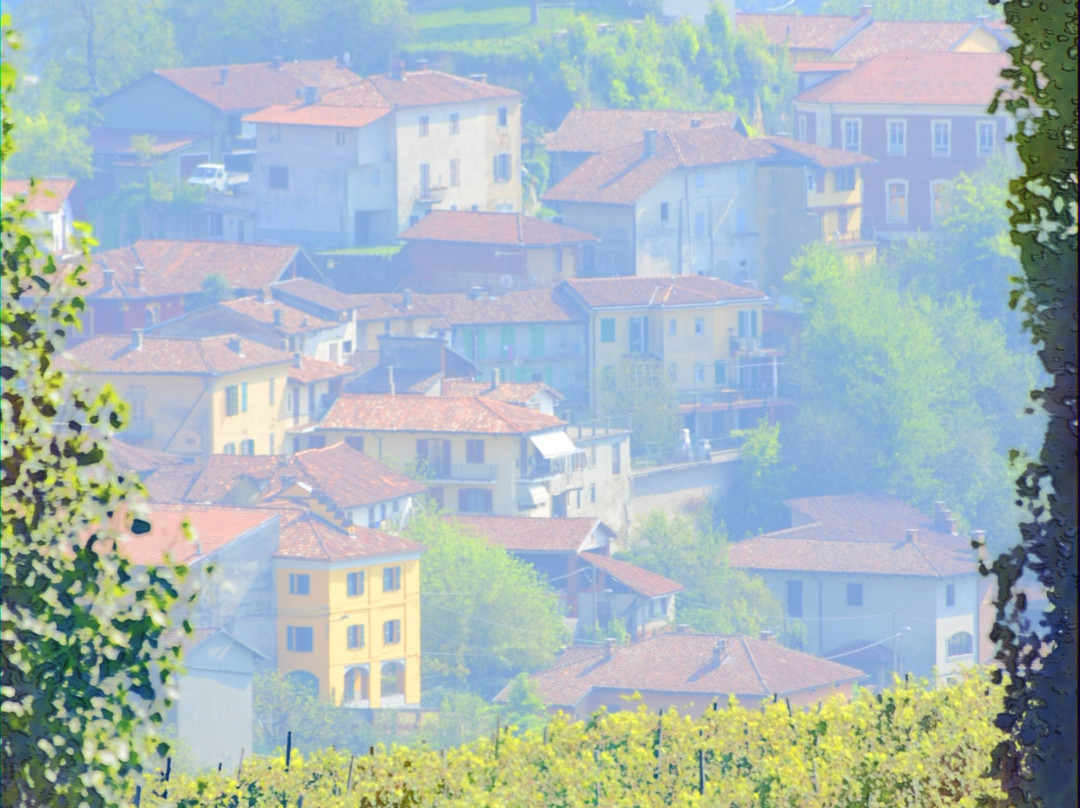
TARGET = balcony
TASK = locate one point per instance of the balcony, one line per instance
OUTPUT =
(432, 195)
(462, 473)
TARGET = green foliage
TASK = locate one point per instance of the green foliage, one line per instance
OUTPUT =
(486, 615)
(524, 707)
(638, 388)
(85, 661)
(755, 502)
(692, 552)
(958, 10)
(1037, 764)
(908, 747)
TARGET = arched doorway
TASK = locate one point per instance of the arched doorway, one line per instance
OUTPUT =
(304, 680)
(357, 687)
(392, 683)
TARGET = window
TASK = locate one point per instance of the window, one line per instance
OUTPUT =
(247, 447)
(939, 200)
(279, 178)
(699, 372)
(425, 180)
(960, 644)
(243, 397)
(940, 138)
(845, 179)
(854, 594)
(592, 492)
(616, 459)
(741, 225)
(802, 128)
(897, 137)
(271, 443)
(340, 137)
(503, 164)
(455, 173)
(985, 134)
(672, 326)
(299, 583)
(355, 637)
(663, 211)
(699, 225)
(272, 393)
(424, 121)
(474, 500)
(811, 182)
(356, 442)
(852, 134)
(896, 201)
(474, 450)
(950, 595)
(503, 116)
(299, 638)
(639, 335)
(607, 329)
(699, 326)
(391, 632)
(794, 599)
(748, 324)
(346, 347)
(455, 123)
(699, 179)
(229, 448)
(719, 372)
(391, 578)
(232, 399)
(536, 340)
(354, 584)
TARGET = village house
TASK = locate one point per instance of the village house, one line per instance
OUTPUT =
(155, 280)
(876, 583)
(531, 395)
(356, 166)
(348, 612)
(574, 556)
(921, 132)
(49, 202)
(688, 672)
(457, 250)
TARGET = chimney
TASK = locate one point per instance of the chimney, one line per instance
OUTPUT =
(406, 298)
(137, 339)
(311, 94)
(941, 513)
(950, 525)
(978, 538)
(421, 64)
(609, 647)
(650, 142)
(106, 285)
(276, 62)
(767, 636)
(911, 535)
(279, 317)
(198, 547)
(287, 481)
(476, 292)
(390, 379)
(397, 70)
(496, 377)
(683, 628)
(224, 75)
(719, 651)
(234, 344)
(480, 77)
(298, 359)
(866, 10)
(695, 123)
(139, 272)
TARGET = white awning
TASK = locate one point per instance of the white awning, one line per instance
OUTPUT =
(554, 444)
(532, 496)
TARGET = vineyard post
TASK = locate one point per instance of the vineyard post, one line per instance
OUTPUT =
(240, 765)
(497, 719)
(701, 771)
(219, 765)
(138, 796)
(168, 773)
(288, 749)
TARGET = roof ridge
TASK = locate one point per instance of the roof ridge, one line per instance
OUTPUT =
(753, 664)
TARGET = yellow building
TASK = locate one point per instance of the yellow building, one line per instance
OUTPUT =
(348, 612)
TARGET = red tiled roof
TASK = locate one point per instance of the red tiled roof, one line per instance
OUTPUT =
(115, 140)
(434, 414)
(170, 483)
(821, 156)
(803, 31)
(258, 85)
(688, 664)
(293, 320)
(172, 267)
(898, 77)
(511, 392)
(418, 89)
(621, 176)
(316, 370)
(204, 356)
(221, 472)
(213, 527)
(48, 196)
(135, 458)
(540, 306)
(384, 306)
(872, 517)
(643, 581)
(348, 477)
(678, 290)
(822, 66)
(475, 227)
(318, 294)
(600, 130)
(897, 35)
(301, 114)
(528, 534)
(306, 537)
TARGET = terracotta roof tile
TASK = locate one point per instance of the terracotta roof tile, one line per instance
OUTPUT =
(317, 294)
(221, 473)
(519, 393)
(897, 77)
(205, 356)
(821, 156)
(870, 517)
(474, 227)
(621, 176)
(539, 306)
(170, 483)
(434, 414)
(301, 114)
(688, 664)
(314, 370)
(292, 319)
(172, 267)
(679, 290)
(306, 537)
(803, 31)
(419, 89)
(347, 477)
(600, 130)
(117, 140)
(258, 85)
(527, 534)
(48, 196)
(643, 581)
(897, 35)
(213, 527)
(135, 458)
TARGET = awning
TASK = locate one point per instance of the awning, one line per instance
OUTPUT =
(554, 444)
(532, 496)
